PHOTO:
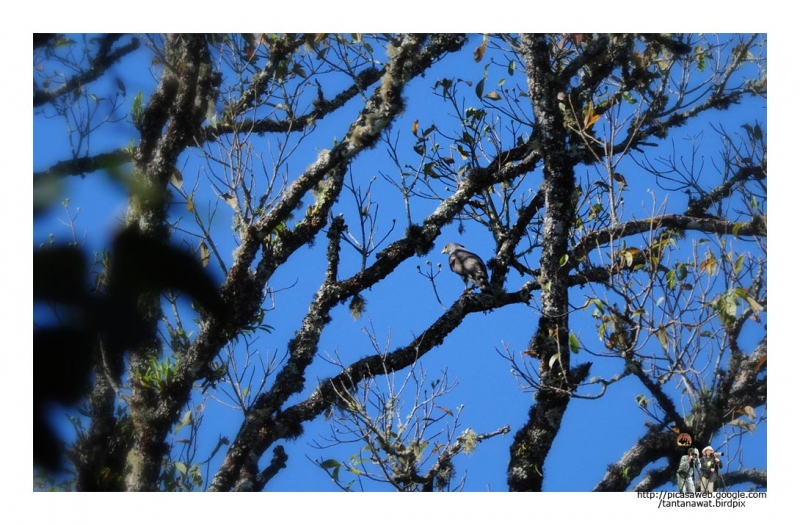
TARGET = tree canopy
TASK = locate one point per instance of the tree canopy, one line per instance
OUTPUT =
(278, 268)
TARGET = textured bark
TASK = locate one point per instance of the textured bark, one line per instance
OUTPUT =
(179, 104)
(99, 456)
(533, 441)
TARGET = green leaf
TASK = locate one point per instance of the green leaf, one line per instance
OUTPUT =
(701, 58)
(511, 67)
(475, 114)
(299, 71)
(185, 420)
(329, 463)
(757, 133)
(493, 95)
(726, 307)
(663, 338)
(63, 41)
(479, 88)
(563, 260)
(598, 304)
(137, 108)
(641, 400)
(446, 84)
(574, 344)
(671, 279)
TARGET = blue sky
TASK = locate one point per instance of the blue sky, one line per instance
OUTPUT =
(486, 387)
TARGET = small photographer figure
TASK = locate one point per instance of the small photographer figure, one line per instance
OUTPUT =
(710, 467)
(686, 467)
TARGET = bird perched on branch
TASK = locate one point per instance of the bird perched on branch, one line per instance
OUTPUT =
(469, 266)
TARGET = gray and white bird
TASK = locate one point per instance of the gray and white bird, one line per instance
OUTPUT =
(469, 266)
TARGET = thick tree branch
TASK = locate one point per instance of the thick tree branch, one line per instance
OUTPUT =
(532, 443)
(717, 226)
(187, 83)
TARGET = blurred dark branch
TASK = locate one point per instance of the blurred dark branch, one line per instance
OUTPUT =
(103, 60)
(82, 166)
(42, 39)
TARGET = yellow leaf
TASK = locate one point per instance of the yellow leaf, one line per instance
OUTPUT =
(753, 304)
(492, 95)
(231, 200)
(750, 427)
(761, 362)
(176, 179)
(480, 50)
(205, 254)
(415, 127)
(709, 264)
(189, 205)
(626, 256)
